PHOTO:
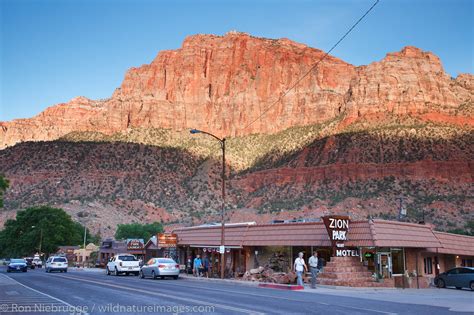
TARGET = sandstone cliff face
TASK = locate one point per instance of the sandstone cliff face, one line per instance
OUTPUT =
(407, 82)
(222, 83)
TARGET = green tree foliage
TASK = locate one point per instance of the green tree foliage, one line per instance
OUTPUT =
(50, 227)
(467, 230)
(3, 186)
(137, 230)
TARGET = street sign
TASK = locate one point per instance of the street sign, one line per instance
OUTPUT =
(221, 249)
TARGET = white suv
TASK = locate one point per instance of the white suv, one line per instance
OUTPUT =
(56, 263)
(123, 263)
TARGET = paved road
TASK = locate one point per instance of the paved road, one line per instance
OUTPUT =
(95, 293)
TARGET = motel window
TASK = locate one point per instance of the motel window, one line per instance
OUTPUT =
(466, 263)
(428, 266)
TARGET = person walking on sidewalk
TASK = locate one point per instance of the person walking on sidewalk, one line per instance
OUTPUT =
(313, 265)
(300, 267)
(197, 266)
(206, 264)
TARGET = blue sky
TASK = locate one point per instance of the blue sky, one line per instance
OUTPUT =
(54, 50)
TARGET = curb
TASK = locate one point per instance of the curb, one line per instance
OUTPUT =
(290, 287)
(225, 281)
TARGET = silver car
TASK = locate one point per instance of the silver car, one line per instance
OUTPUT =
(160, 268)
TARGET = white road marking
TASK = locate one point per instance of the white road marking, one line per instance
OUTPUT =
(172, 297)
(61, 302)
(273, 297)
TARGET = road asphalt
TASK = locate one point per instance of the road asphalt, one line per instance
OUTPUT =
(82, 292)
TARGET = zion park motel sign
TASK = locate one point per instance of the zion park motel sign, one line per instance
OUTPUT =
(337, 228)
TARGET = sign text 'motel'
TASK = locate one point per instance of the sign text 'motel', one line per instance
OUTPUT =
(337, 228)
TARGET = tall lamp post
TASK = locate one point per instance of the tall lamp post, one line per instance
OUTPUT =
(222, 247)
(40, 240)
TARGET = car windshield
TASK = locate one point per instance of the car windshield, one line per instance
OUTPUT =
(60, 259)
(166, 261)
(127, 258)
(16, 261)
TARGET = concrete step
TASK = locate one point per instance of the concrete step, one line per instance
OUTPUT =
(361, 283)
(343, 264)
(358, 268)
(345, 275)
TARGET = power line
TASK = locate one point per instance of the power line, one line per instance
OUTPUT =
(313, 67)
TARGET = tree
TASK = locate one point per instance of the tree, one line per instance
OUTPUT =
(137, 230)
(467, 230)
(3, 187)
(37, 227)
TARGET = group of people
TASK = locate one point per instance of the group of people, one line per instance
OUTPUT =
(201, 266)
(300, 266)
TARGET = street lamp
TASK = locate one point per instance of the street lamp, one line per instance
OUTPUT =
(222, 248)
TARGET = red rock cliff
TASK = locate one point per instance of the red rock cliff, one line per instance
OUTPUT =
(222, 83)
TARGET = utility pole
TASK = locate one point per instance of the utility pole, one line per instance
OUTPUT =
(402, 211)
(41, 240)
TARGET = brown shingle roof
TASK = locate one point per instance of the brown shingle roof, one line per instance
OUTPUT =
(295, 234)
(367, 233)
(211, 235)
(402, 234)
(454, 244)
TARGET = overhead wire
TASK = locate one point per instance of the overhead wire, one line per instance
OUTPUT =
(313, 67)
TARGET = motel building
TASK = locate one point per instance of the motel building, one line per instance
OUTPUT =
(355, 252)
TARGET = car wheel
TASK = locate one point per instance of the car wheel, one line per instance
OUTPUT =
(116, 273)
(142, 276)
(175, 277)
(441, 283)
(471, 285)
(107, 271)
(459, 288)
(153, 275)
(136, 273)
(127, 273)
(65, 270)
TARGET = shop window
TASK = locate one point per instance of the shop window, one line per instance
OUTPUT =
(428, 265)
(466, 262)
(397, 261)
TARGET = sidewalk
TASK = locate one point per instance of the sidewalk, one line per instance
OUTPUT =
(218, 280)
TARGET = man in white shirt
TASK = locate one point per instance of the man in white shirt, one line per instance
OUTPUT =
(300, 267)
(313, 265)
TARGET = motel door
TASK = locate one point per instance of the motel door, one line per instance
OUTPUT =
(385, 264)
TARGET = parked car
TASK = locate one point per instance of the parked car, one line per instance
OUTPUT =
(56, 263)
(37, 262)
(29, 262)
(461, 277)
(17, 264)
(160, 268)
(123, 264)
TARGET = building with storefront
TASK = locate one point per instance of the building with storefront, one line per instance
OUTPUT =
(162, 245)
(82, 255)
(110, 247)
(390, 253)
(68, 252)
